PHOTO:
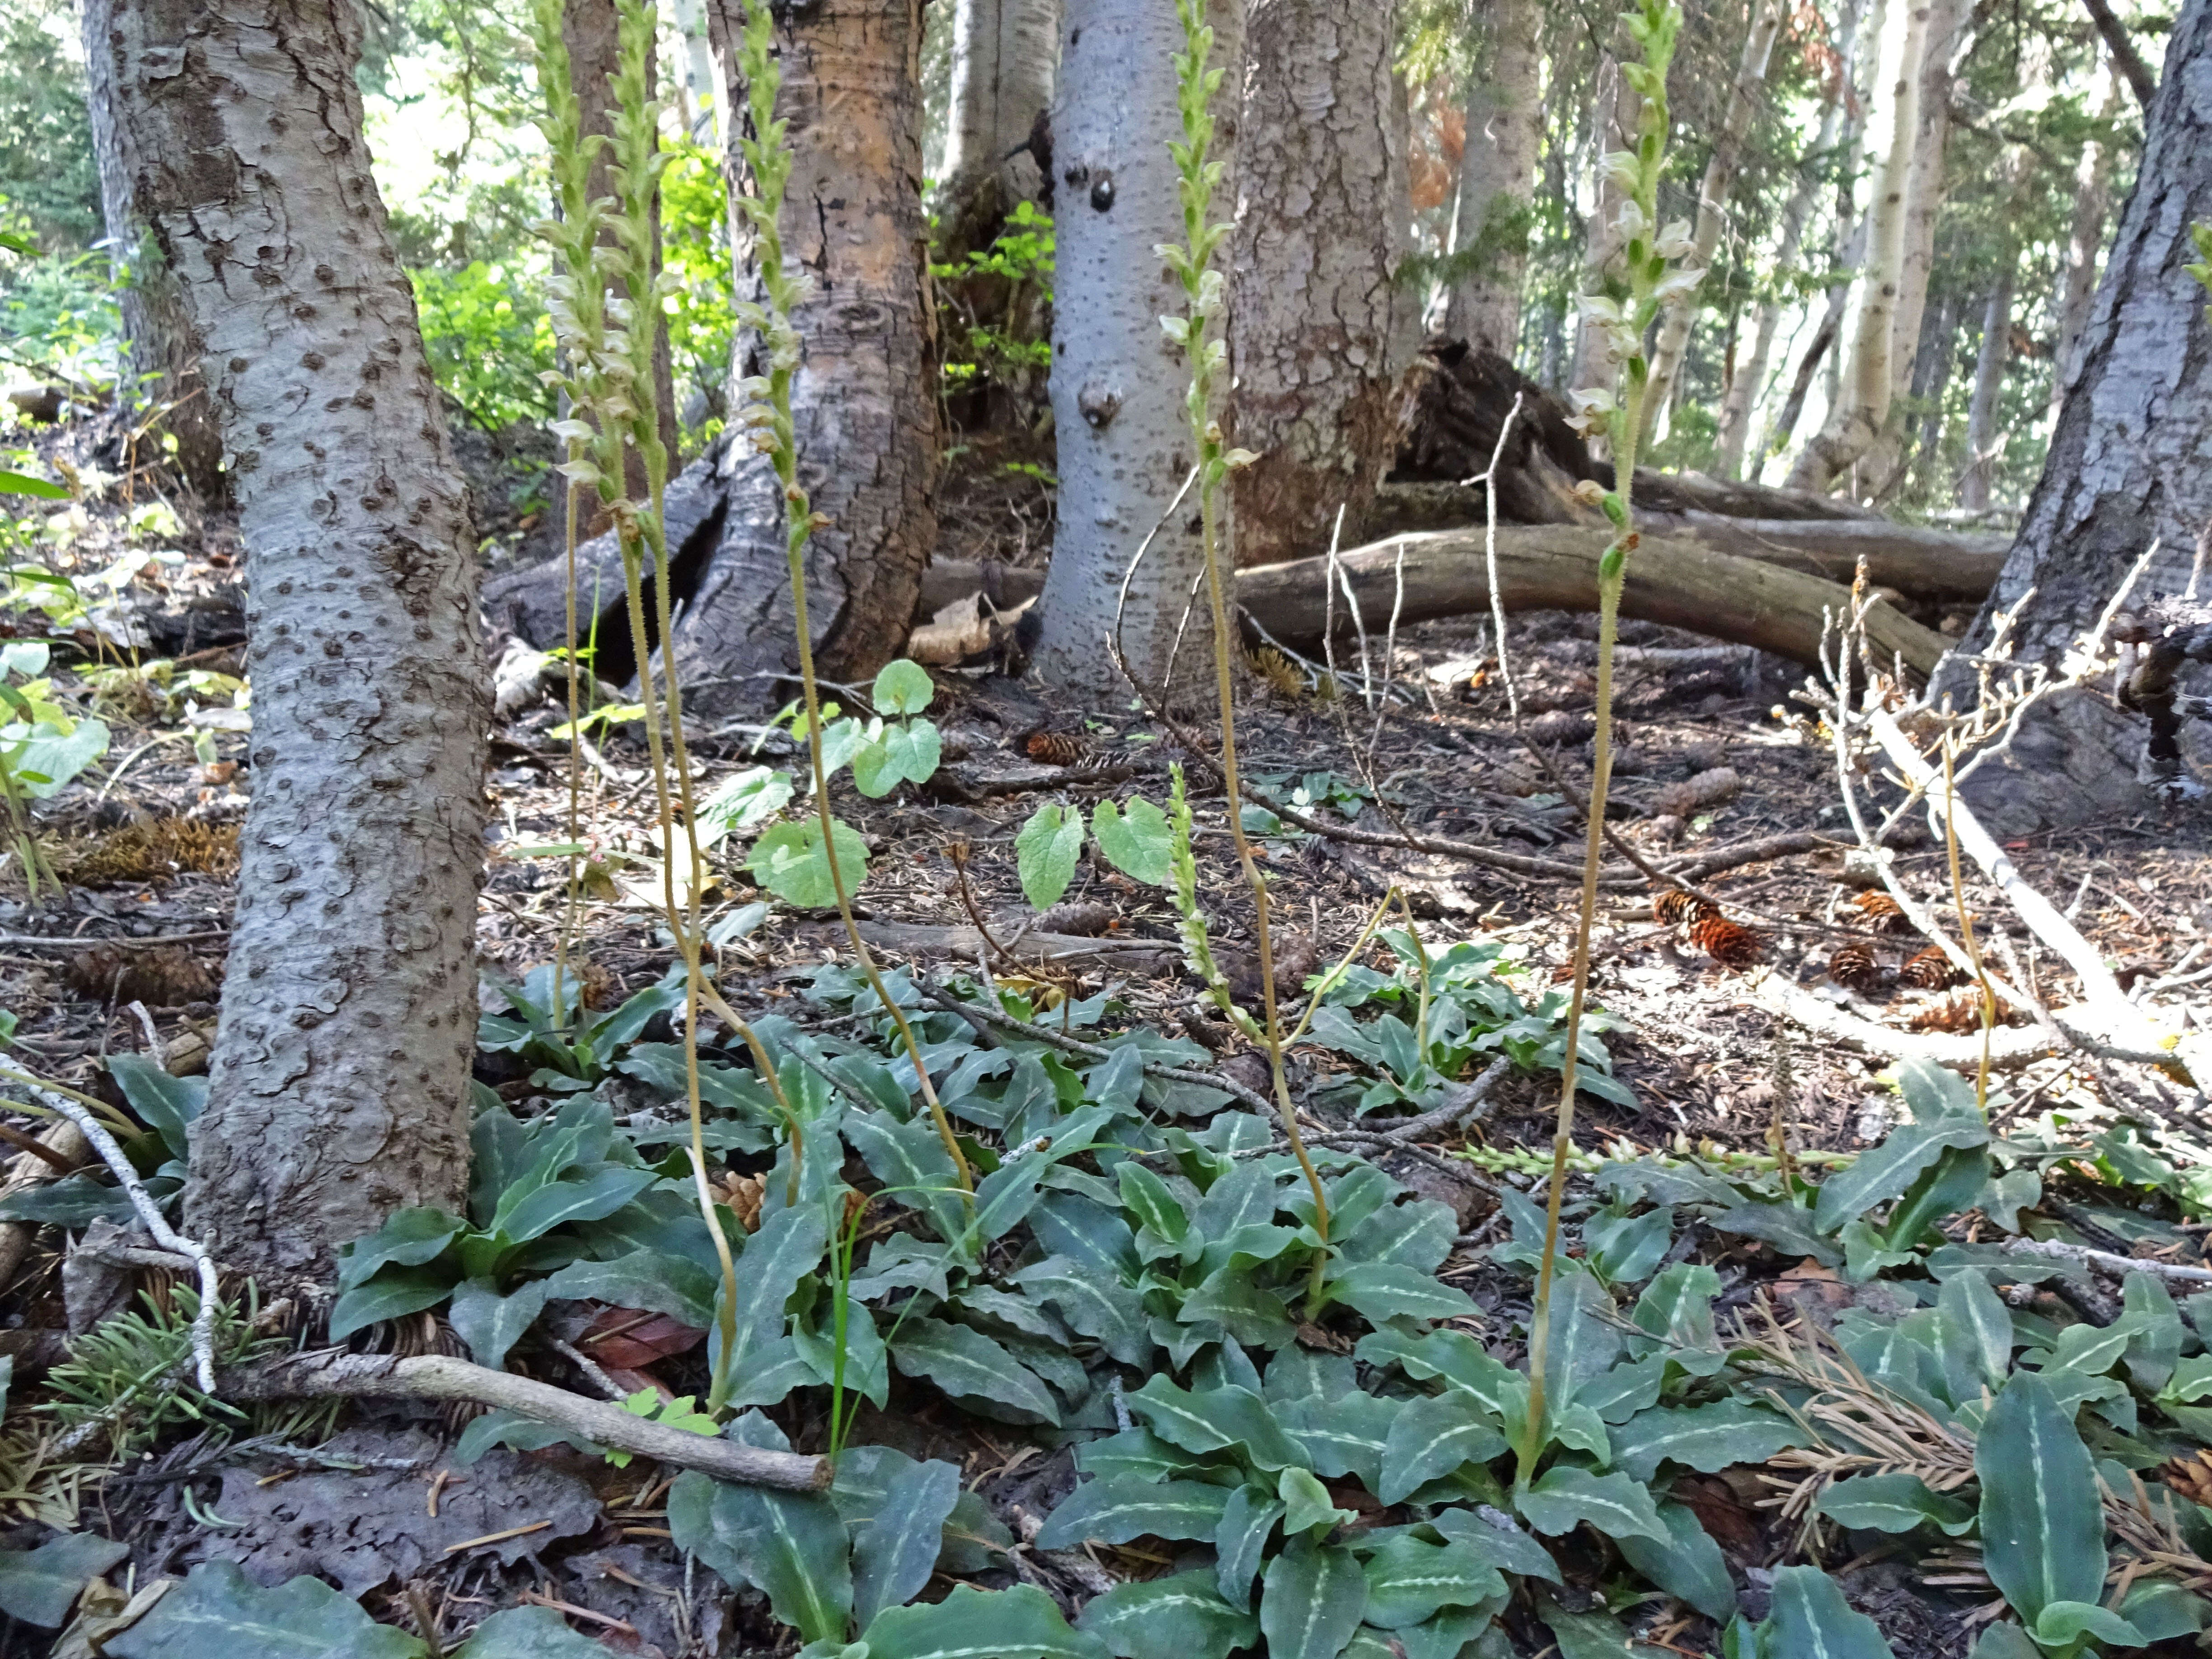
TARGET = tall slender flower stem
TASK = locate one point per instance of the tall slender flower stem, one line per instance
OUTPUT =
(1652, 281)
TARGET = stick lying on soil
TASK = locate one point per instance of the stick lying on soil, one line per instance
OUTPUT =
(332, 1373)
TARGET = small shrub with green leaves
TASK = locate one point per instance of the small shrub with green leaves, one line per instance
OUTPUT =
(166, 1107)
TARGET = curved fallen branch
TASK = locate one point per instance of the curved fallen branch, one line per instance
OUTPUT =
(2009, 1047)
(332, 1373)
(2109, 1260)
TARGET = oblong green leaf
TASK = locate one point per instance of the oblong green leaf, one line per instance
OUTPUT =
(966, 1364)
(1311, 1600)
(40, 1586)
(1689, 1567)
(1247, 1519)
(1021, 1623)
(2042, 1526)
(1183, 1616)
(1563, 1496)
(1702, 1437)
(1045, 851)
(1884, 1172)
(217, 1613)
(528, 1634)
(1407, 1580)
(393, 1294)
(895, 1549)
(1122, 1507)
(1433, 1435)
(1214, 1419)
(791, 1546)
(1810, 1616)
(1892, 1503)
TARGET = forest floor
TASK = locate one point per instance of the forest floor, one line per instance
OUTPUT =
(1713, 754)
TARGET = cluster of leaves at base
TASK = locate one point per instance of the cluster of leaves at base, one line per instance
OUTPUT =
(1437, 1015)
(893, 747)
(544, 1026)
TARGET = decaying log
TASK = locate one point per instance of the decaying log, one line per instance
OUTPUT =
(1673, 580)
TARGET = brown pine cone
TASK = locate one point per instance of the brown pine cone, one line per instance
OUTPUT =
(1930, 970)
(1957, 1014)
(1730, 944)
(1055, 748)
(1881, 913)
(1676, 909)
(1854, 967)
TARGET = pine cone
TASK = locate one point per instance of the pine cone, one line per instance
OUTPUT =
(1085, 917)
(1730, 944)
(1881, 913)
(1957, 1014)
(1854, 967)
(1708, 788)
(1055, 748)
(1930, 970)
(2191, 1477)
(1676, 909)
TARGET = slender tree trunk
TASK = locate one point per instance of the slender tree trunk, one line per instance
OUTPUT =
(1320, 330)
(162, 354)
(339, 1091)
(2093, 184)
(1749, 382)
(1949, 39)
(1713, 200)
(701, 106)
(1618, 112)
(862, 399)
(2126, 466)
(1497, 179)
(1117, 381)
(1863, 397)
(1983, 439)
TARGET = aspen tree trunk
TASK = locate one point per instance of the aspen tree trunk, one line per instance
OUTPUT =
(1950, 38)
(1983, 440)
(588, 29)
(1745, 389)
(161, 353)
(339, 1090)
(1863, 397)
(1117, 381)
(1497, 180)
(703, 86)
(1713, 200)
(1319, 332)
(863, 401)
(2126, 465)
(1592, 364)
(1004, 53)
(2093, 184)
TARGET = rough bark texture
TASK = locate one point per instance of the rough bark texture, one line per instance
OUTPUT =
(156, 323)
(1496, 178)
(862, 401)
(340, 1085)
(1949, 36)
(2085, 243)
(2131, 460)
(1862, 401)
(1744, 392)
(1713, 200)
(1117, 381)
(1320, 332)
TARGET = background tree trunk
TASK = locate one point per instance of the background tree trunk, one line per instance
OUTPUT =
(862, 399)
(1618, 113)
(1713, 200)
(1949, 39)
(1117, 381)
(1320, 332)
(1496, 178)
(1744, 391)
(162, 351)
(340, 1085)
(1004, 53)
(2126, 465)
(2085, 243)
(1982, 440)
(1863, 399)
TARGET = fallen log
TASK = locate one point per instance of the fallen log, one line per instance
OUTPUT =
(1673, 580)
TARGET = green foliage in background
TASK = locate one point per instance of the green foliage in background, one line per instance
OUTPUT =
(47, 172)
(489, 339)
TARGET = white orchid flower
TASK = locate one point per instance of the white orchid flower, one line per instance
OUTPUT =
(1675, 242)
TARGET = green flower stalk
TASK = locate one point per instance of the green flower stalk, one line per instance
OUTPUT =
(767, 413)
(1200, 174)
(1649, 276)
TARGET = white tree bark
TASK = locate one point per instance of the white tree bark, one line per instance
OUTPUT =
(1863, 398)
(1117, 381)
(2093, 188)
(2131, 461)
(1949, 39)
(1319, 332)
(1750, 382)
(1497, 179)
(1618, 113)
(1004, 55)
(1713, 200)
(340, 1085)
